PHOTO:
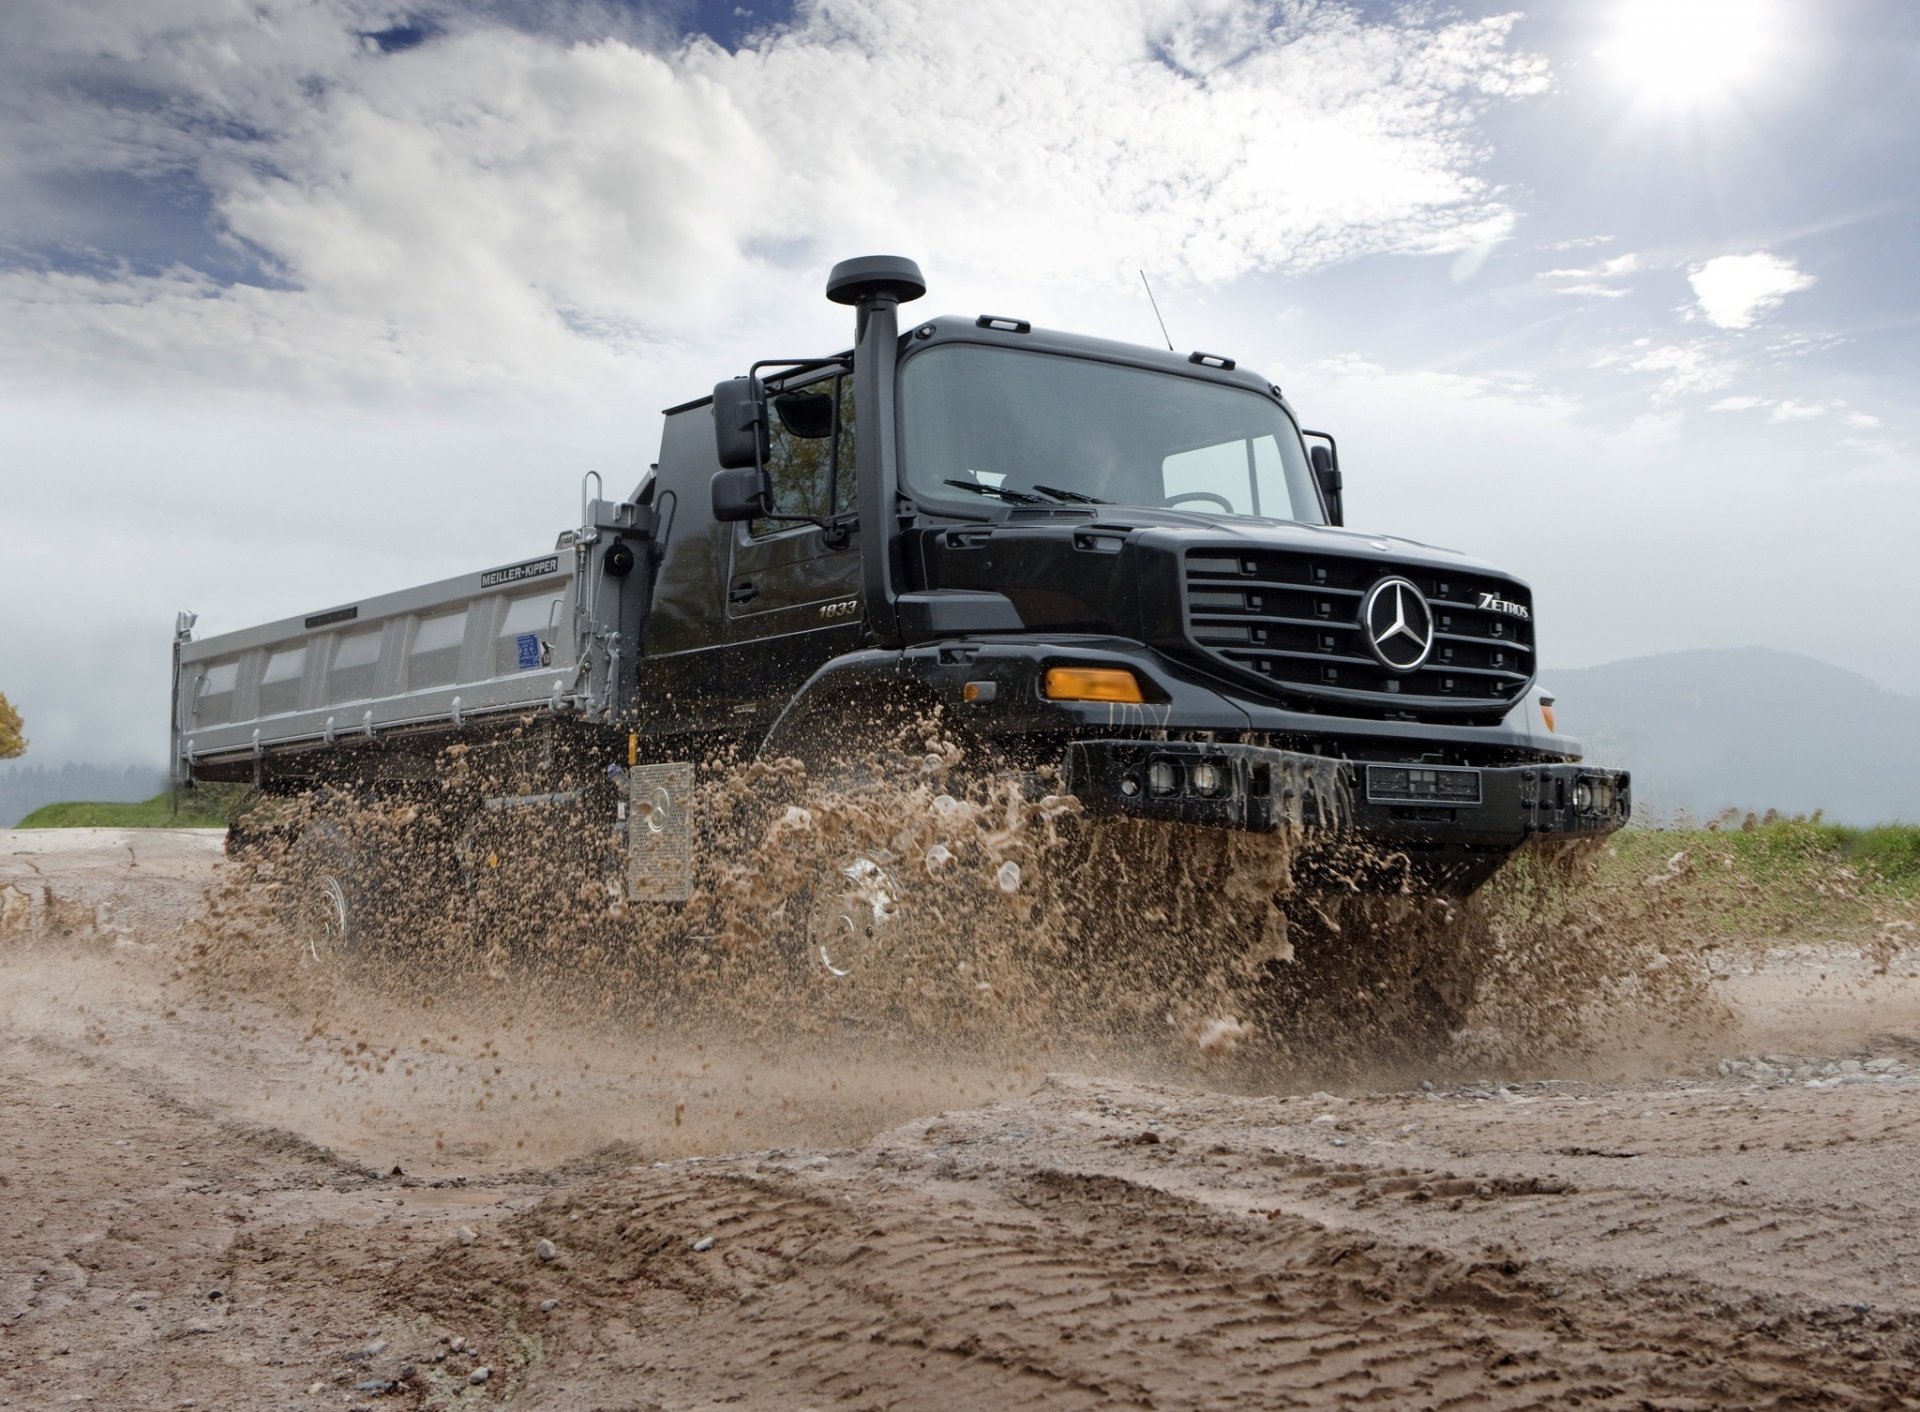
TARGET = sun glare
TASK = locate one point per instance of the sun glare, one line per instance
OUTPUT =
(1690, 53)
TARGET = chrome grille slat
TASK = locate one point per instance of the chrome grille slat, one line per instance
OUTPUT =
(1304, 639)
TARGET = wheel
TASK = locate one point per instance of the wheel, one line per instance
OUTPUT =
(852, 918)
(329, 900)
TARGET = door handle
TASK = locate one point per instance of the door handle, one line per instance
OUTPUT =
(743, 591)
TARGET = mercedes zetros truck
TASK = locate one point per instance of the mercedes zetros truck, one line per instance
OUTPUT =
(1122, 571)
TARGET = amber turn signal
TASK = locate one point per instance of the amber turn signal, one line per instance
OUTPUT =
(1092, 684)
(1546, 712)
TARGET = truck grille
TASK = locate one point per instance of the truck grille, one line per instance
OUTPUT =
(1291, 622)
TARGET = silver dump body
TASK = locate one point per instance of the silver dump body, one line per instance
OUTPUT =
(517, 638)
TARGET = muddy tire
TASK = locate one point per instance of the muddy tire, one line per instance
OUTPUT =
(328, 902)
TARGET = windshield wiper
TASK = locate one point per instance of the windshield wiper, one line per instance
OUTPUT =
(1075, 496)
(1017, 497)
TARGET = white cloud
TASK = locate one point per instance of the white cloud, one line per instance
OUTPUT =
(495, 206)
(1791, 411)
(1740, 404)
(1735, 290)
(1591, 281)
(1579, 242)
(1683, 369)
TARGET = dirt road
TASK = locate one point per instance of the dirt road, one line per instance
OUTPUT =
(238, 1189)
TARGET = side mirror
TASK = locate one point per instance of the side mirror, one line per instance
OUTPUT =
(741, 493)
(1325, 459)
(739, 424)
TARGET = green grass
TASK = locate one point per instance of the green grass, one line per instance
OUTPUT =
(1777, 875)
(208, 807)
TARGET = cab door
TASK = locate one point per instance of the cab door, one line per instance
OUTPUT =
(793, 588)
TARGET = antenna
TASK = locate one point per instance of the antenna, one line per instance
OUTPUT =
(1156, 311)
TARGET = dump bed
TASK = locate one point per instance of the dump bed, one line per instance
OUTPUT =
(544, 633)
(498, 640)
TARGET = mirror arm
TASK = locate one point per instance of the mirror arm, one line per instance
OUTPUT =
(838, 529)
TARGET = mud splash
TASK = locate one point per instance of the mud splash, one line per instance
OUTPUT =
(903, 902)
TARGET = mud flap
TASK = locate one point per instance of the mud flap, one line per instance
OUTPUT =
(660, 832)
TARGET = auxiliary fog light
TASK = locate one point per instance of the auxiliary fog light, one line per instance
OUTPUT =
(1582, 796)
(1162, 777)
(1208, 778)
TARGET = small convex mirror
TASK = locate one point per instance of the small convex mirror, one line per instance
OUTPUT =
(808, 415)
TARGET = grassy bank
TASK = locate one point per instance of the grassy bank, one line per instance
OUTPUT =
(208, 807)
(1777, 876)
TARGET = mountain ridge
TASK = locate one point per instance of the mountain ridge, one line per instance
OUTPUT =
(1708, 729)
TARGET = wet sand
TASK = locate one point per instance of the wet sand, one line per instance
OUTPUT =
(245, 1187)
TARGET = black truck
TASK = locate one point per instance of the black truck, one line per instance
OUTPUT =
(1117, 572)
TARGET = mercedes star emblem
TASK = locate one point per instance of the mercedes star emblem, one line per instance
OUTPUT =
(1398, 624)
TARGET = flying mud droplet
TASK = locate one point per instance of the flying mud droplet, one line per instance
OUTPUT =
(1221, 1035)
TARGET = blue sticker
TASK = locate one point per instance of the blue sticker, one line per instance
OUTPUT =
(529, 645)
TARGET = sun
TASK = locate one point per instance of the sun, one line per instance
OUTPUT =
(1687, 54)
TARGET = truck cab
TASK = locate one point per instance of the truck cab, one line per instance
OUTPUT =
(1122, 563)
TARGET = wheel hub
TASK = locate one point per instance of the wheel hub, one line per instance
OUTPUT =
(850, 924)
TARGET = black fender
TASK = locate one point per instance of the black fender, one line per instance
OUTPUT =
(850, 706)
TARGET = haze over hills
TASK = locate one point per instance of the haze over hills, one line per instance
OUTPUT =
(1747, 728)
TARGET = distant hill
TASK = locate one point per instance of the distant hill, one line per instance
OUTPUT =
(1748, 728)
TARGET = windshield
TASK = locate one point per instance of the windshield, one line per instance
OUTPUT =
(1011, 427)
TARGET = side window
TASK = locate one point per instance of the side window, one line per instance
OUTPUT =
(1243, 477)
(810, 452)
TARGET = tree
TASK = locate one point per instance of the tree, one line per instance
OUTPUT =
(12, 742)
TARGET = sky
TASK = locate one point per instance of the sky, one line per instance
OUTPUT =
(305, 300)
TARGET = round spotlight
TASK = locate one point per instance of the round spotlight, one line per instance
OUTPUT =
(1162, 777)
(1207, 778)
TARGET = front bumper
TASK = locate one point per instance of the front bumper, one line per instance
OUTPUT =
(1402, 805)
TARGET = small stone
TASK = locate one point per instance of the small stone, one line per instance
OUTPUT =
(465, 1235)
(315, 1389)
(479, 1376)
(1008, 878)
(1850, 1066)
(703, 1245)
(458, 1345)
(547, 1306)
(546, 1249)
